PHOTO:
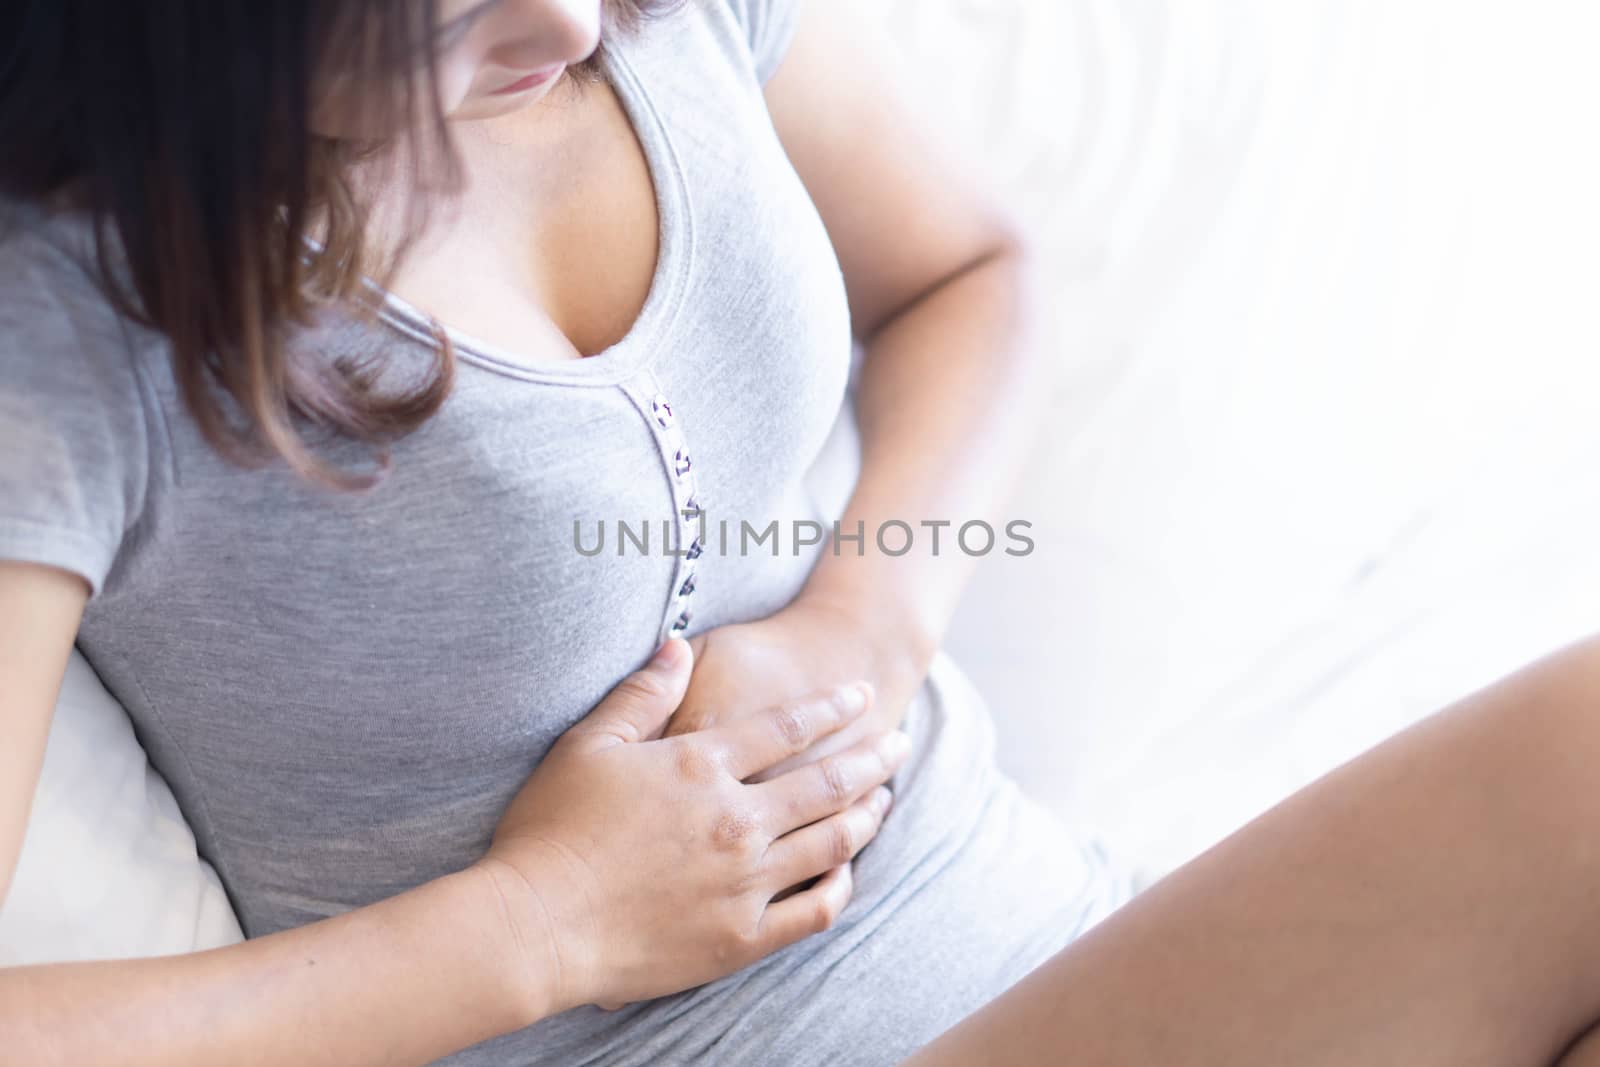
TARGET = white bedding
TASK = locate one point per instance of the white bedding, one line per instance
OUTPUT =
(108, 867)
(1324, 452)
(1326, 456)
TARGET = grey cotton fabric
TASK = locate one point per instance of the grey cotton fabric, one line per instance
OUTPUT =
(345, 691)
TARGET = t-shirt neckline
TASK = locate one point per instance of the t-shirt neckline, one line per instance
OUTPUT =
(673, 256)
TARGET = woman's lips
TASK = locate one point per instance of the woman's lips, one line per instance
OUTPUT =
(532, 81)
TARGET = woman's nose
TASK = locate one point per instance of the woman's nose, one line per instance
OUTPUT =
(546, 32)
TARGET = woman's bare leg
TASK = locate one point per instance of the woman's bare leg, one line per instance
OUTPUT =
(1586, 1053)
(1436, 901)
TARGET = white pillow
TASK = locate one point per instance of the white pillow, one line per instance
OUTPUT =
(108, 866)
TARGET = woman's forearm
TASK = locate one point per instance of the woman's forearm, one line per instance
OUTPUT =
(403, 981)
(950, 396)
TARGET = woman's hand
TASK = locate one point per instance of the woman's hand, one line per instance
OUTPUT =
(645, 867)
(812, 644)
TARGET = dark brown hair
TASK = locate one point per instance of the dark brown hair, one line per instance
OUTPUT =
(183, 127)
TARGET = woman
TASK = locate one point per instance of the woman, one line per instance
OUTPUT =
(646, 316)
(607, 287)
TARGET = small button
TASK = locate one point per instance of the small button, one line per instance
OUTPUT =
(680, 463)
(692, 506)
(694, 550)
(687, 587)
(682, 623)
(662, 411)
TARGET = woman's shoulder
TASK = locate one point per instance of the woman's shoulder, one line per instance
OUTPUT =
(753, 34)
(60, 329)
(768, 25)
(51, 293)
(74, 439)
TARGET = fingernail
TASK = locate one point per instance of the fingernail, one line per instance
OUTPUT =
(853, 697)
(669, 654)
(896, 744)
(880, 799)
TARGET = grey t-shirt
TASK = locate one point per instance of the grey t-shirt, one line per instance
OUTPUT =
(345, 691)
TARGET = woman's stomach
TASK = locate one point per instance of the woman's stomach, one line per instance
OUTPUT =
(967, 887)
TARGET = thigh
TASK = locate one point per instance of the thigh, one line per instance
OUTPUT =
(1432, 902)
(1585, 1052)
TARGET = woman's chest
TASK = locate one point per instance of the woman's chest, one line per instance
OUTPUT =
(525, 529)
(551, 245)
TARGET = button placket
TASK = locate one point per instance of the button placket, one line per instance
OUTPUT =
(675, 454)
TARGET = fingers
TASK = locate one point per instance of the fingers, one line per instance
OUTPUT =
(811, 850)
(641, 703)
(753, 743)
(811, 912)
(817, 790)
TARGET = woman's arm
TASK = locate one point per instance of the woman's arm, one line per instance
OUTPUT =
(39, 612)
(951, 389)
(939, 288)
(403, 981)
(624, 869)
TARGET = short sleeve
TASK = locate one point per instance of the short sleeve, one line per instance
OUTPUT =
(769, 26)
(73, 446)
